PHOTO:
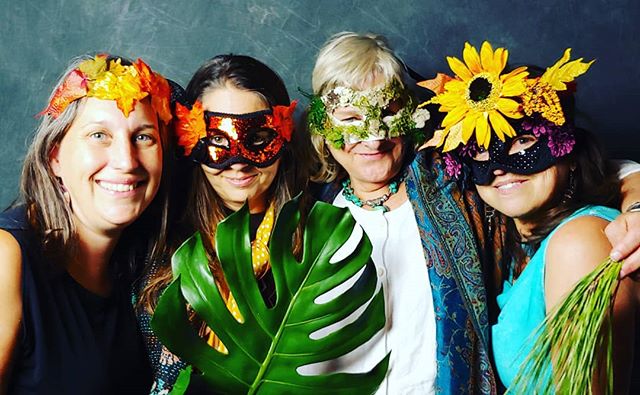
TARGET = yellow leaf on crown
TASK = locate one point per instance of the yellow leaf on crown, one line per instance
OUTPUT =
(91, 68)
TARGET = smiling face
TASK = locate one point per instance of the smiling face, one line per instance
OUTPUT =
(110, 165)
(371, 164)
(519, 196)
(239, 182)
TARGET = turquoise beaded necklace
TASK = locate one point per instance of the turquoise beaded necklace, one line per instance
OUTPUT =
(377, 203)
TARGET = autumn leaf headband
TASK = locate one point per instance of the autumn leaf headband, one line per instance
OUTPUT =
(110, 80)
(479, 97)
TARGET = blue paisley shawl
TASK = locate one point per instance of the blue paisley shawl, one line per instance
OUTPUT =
(459, 263)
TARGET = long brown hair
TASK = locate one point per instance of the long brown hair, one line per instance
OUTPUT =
(203, 208)
(49, 214)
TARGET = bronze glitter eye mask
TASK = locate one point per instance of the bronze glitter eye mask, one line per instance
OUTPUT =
(220, 140)
(247, 138)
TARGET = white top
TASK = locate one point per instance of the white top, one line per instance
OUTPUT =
(626, 168)
(410, 332)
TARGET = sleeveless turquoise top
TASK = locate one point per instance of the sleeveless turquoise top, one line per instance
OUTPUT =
(522, 306)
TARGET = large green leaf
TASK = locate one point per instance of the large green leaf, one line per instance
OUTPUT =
(266, 349)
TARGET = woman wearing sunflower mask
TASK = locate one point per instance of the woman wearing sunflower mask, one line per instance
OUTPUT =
(481, 97)
(530, 163)
(429, 243)
(92, 199)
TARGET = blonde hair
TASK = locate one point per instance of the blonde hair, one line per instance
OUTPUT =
(351, 60)
(39, 188)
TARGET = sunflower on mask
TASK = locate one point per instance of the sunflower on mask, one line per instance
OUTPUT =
(481, 101)
(479, 97)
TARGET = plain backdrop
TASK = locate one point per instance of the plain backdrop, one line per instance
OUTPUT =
(39, 37)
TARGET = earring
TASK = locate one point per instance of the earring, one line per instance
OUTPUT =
(571, 189)
(489, 214)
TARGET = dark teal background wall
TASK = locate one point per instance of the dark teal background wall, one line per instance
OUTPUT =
(37, 39)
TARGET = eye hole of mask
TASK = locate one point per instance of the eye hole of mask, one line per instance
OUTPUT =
(219, 139)
(520, 144)
(259, 138)
(482, 155)
(348, 114)
(392, 108)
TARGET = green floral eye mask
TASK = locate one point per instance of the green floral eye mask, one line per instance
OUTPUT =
(371, 114)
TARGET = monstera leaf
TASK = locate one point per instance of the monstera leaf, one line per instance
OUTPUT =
(265, 349)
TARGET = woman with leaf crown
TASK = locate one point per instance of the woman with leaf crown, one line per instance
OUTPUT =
(231, 309)
(514, 135)
(91, 194)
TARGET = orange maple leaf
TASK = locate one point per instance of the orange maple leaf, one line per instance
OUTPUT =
(190, 127)
(158, 88)
(73, 88)
(436, 85)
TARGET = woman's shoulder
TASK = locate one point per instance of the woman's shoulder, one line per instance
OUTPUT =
(15, 222)
(10, 298)
(574, 249)
(581, 229)
(10, 251)
(14, 219)
(10, 248)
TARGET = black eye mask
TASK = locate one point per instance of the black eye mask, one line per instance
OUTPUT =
(531, 160)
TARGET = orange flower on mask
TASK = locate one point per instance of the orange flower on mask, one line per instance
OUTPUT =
(190, 127)
(283, 118)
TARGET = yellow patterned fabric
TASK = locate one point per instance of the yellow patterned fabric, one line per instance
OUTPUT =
(260, 261)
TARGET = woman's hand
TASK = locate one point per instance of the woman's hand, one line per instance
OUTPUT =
(624, 235)
(624, 232)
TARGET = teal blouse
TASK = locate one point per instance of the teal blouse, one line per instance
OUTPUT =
(522, 306)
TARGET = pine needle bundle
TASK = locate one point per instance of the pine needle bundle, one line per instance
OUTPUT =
(574, 340)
